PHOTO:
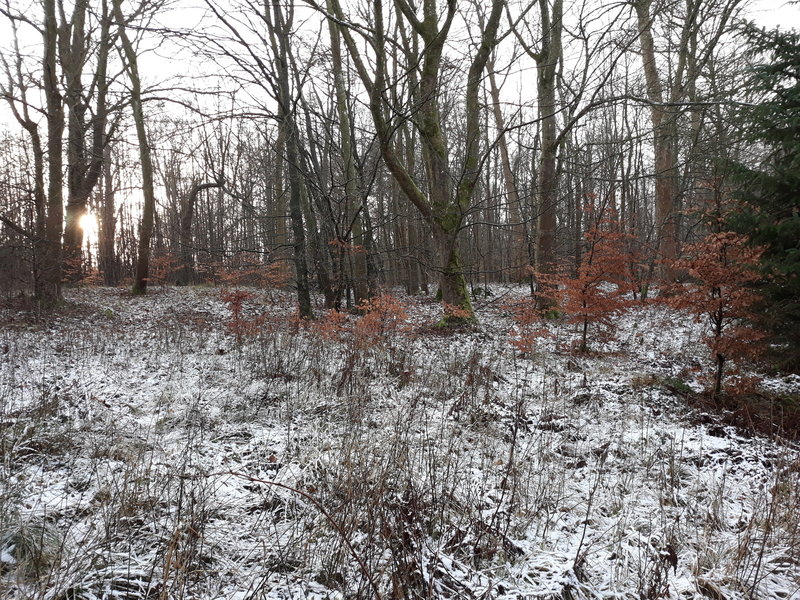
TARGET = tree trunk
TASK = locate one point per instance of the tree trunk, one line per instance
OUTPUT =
(279, 35)
(186, 273)
(48, 284)
(279, 210)
(148, 190)
(107, 258)
(518, 255)
(547, 69)
(83, 168)
(443, 207)
(718, 374)
(356, 253)
(664, 143)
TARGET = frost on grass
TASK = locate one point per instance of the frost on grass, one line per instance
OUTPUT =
(150, 452)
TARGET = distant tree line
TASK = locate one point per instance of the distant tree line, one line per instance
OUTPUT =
(345, 147)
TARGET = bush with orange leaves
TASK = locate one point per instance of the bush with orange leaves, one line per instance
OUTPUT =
(722, 269)
(601, 290)
(91, 278)
(239, 325)
(163, 268)
(332, 326)
(384, 316)
(248, 271)
(529, 329)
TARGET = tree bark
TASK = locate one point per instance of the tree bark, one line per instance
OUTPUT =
(83, 168)
(48, 284)
(356, 253)
(148, 189)
(279, 36)
(107, 256)
(445, 204)
(186, 273)
(519, 259)
(547, 69)
(664, 143)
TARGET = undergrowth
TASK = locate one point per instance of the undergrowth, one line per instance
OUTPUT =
(359, 457)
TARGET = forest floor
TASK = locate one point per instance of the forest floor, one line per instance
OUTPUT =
(153, 449)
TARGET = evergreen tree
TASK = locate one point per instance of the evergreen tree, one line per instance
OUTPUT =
(769, 190)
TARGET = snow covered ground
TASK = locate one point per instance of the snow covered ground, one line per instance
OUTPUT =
(149, 453)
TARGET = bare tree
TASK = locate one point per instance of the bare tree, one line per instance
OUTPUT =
(356, 254)
(272, 75)
(148, 188)
(84, 164)
(448, 197)
(47, 194)
(702, 25)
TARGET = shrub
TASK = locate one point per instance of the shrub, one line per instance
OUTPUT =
(600, 290)
(384, 315)
(721, 270)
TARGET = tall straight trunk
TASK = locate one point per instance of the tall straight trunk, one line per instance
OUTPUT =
(107, 258)
(148, 188)
(548, 60)
(279, 36)
(357, 255)
(327, 253)
(48, 284)
(518, 255)
(20, 108)
(547, 69)
(412, 259)
(577, 239)
(84, 167)
(278, 206)
(401, 246)
(72, 66)
(664, 123)
(325, 258)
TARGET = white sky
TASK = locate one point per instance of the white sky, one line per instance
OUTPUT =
(156, 66)
(776, 13)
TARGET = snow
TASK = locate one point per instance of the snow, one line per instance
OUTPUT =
(168, 460)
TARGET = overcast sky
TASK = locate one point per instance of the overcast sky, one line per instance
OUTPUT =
(777, 13)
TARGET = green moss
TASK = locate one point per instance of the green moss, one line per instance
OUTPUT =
(449, 321)
(676, 386)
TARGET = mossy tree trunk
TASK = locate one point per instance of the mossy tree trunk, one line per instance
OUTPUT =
(447, 200)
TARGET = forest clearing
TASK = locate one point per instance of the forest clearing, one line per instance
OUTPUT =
(156, 447)
(399, 300)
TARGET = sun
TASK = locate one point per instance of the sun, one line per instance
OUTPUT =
(88, 223)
